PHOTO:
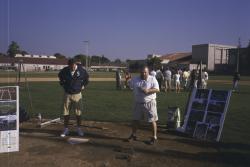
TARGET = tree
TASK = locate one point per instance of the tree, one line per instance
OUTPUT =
(2, 54)
(59, 56)
(154, 62)
(13, 49)
(104, 60)
(135, 65)
(95, 60)
(82, 58)
(118, 61)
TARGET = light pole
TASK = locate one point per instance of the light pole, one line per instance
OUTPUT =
(87, 53)
(238, 55)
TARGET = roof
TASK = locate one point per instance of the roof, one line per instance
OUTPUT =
(26, 60)
(177, 56)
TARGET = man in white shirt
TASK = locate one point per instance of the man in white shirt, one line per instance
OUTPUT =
(153, 73)
(167, 78)
(204, 79)
(144, 88)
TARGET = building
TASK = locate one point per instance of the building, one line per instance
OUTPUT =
(216, 57)
(240, 56)
(107, 68)
(177, 60)
(33, 62)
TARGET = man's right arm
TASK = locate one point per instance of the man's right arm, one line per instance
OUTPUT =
(61, 77)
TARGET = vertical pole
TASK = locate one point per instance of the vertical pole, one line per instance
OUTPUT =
(87, 54)
(19, 73)
(238, 56)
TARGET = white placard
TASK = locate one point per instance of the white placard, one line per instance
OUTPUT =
(9, 119)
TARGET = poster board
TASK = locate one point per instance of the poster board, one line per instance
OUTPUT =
(206, 113)
(9, 119)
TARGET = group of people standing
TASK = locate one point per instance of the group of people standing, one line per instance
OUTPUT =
(74, 78)
(178, 79)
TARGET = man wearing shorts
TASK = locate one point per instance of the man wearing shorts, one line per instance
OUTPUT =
(144, 88)
(73, 79)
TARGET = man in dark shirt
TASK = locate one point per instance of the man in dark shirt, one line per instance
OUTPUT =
(236, 79)
(73, 79)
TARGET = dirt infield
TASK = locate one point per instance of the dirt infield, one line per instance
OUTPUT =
(107, 148)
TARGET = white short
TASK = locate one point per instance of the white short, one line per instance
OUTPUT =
(145, 111)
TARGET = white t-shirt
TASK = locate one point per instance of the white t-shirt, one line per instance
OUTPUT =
(137, 84)
(73, 72)
(167, 75)
(177, 77)
(205, 76)
(153, 73)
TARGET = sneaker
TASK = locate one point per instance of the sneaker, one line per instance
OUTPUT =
(65, 132)
(80, 132)
(131, 137)
(152, 141)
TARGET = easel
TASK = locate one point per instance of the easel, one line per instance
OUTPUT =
(21, 69)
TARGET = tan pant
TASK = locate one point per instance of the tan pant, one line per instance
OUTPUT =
(72, 102)
(168, 84)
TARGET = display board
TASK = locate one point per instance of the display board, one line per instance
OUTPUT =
(9, 119)
(206, 113)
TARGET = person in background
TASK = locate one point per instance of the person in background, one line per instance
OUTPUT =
(153, 73)
(159, 77)
(144, 88)
(185, 77)
(177, 82)
(127, 79)
(204, 79)
(193, 79)
(118, 78)
(236, 79)
(73, 79)
(167, 79)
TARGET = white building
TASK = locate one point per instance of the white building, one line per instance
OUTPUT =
(213, 55)
(33, 62)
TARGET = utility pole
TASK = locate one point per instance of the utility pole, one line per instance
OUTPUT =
(87, 53)
(238, 55)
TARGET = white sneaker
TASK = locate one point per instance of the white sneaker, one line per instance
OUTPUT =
(65, 132)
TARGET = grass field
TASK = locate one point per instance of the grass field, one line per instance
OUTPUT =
(103, 103)
(52, 74)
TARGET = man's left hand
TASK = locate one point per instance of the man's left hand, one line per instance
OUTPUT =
(146, 91)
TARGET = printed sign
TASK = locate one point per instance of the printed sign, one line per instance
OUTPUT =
(9, 119)
(206, 113)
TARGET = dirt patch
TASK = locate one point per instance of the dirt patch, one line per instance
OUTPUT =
(107, 148)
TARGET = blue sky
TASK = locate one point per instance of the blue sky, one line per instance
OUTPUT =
(125, 29)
